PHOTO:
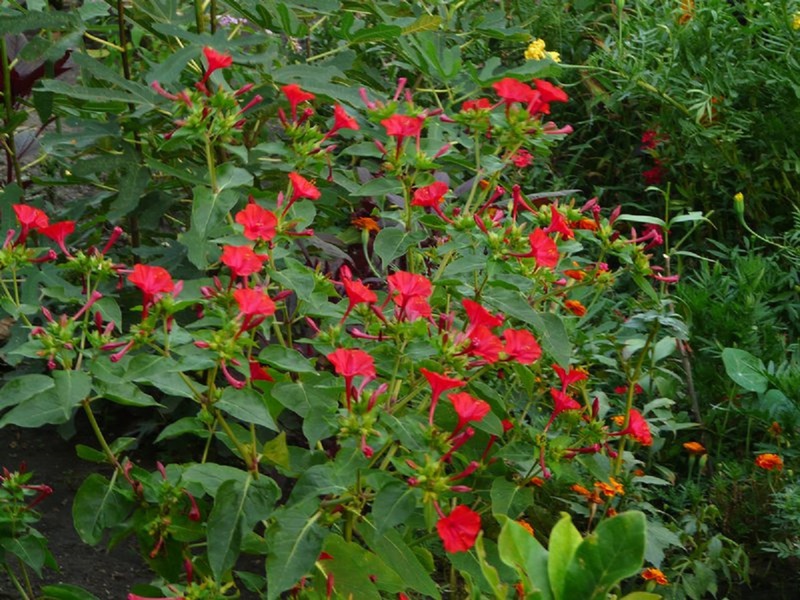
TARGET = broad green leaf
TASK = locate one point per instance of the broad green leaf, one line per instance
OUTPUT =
(229, 176)
(286, 359)
(614, 551)
(642, 219)
(393, 504)
(35, 20)
(296, 277)
(745, 370)
(354, 568)
(30, 549)
(522, 551)
(126, 394)
(642, 596)
(489, 571)
(210, 209)
(98, 505)
(276, 451)
(509, 499)
(378, 33)
(23, 388)
(225, 526)
(424, 23)
(392, 242)
(396, 553)
(293, 547)
(564, 541)
(93, 94)
(54, 405)
(210, 476)
(247, 405)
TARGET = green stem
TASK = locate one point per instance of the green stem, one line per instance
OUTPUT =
(212, 166)
(212, 22)
(198, 15)
(246, 455)
(23, 595)
(112, 459)
(13, 166)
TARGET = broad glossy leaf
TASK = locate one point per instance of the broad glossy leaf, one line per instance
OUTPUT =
(522, 551)
(564, 541)
(745, 369)
(246, 405)
(98, 505)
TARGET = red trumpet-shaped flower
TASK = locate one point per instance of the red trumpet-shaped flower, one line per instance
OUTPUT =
(468, 408)
(350, 363)
(301, 188)
(341, 120)
(241, 260)
(30, 218)
(478, 316)
(216, 60)
(561, 402)
(58, 232)
(637, 428)
(357, 293)
(255, 305)
(521, 346)
(431, 196)
(558, 224)
(511, 90)
(548, 93)
(459, 529)
(543, 250)
(152, 281)
(439, 384)
(258, 222)
(410, 291)
(569, 377)
(295, 95)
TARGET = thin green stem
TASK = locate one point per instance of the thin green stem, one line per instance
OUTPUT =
(13, 166)
(198, 16)
(112, 459)
(246, 455)
(23, 595)
(212, 165)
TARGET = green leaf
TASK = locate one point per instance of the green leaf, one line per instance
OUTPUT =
(247, 405)
(393, 504)
(35, 20)
(224, 528)
(30, 549)
(392, 242)
(210, 476)
(296, 277)
(745, 370)
(394, 551)
(54, 405)
(564, 541)
(294, 546)
(509, 499)
(286, 359)
(230, 176)
(354, 569)
(378, 33)
(522, 551)
(93, 94)
(210, 209)
(65, 591)
(126, 394)
(489, 571)
(23, 388)
(424, 23)
(614, 551)
(276, 451)
(641, 596)
(98, 505)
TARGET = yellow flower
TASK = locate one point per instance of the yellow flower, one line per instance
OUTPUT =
(536, 51)
(796, 21)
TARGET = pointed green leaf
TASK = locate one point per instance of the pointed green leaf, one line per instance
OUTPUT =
(745, 369)
(522, 551)
(564, 541)
(98, 505)
(247, 405)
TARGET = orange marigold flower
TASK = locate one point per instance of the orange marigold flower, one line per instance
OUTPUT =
(695, 448)
(653, 574)
(639, 473)
(526, 526)
(611, 512)
(536, 481)
(575, 307)
(593, 497)
(367, 223)
(775, 429)
(769, 462)
(585, 224)
(610, 489)
(619, 420)
(575, 274)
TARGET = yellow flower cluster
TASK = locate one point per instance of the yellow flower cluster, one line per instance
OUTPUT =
(795, 21)
(536, 51)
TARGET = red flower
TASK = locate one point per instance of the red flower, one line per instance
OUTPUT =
(58, 232)
(439, 384)
(476, 105)
(511, 90)
(569, 377)
(350, 363)
(521, 346)
(430, 196)
(357, 293)
(258, 372)
(241, 260)
(654, 176)
(295, 95)
(477, 315)
(543, 250)
(341, 120)
(769, 462)
(402, 126)
(522, 158)
(484, 344)
(152, 281)
(558, 224)
(548, 93)
(216, 60)
(404, 287)
(459, 529)
(259, 223)
(561, 403)
(303, 188)
(30, 217)
(637, 428)
(254, 302)
(468, 408)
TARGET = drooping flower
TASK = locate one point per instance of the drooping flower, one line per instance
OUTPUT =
(350, 363)
(637, 428)
(561, 402)
(459, 529)
(521, 346)
(543, 249)
(357, 293)
(58, 232)
(439, 384)
(242, 260)
(341, 120)
(558, 224)
(570, 377)
(258, 222)
(468, 408)
(295, 95)
(653, 574)
(769, 462)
